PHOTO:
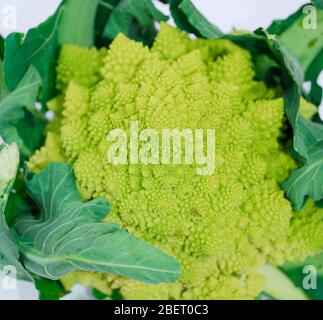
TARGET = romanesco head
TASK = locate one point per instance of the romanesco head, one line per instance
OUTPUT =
(221, 227)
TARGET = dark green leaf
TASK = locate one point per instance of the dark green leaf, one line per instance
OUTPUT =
(99, 295)
(116, 295)
(318, 3)
(1, 48)
(49, 289)
(307, 181)
(306, 44)
(19, 120)
(312, 74)
(72, 23)
(23, 95)
(38, 48)
(189, 19)
(9, 254)
(181, 18)
(16, 205)
(30, 129)
(297, 273)
(102, 17)
(19, 202)
(134, 18)
(69, 235)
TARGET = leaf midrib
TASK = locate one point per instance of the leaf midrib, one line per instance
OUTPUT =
(34, 256)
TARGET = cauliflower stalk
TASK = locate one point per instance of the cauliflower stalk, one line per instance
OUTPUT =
(223, 227)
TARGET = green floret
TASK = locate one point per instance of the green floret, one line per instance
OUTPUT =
(222, 227)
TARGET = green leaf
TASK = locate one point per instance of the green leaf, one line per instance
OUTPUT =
(17, 204)
(72, 23)
(24, 95)
(19, 121)
(69, 235)
(312, 74)
(134, 18)
(296, 272)
(38, 48)
(277, 27)
(49, 289)
(312, 135)
(77, 22)
(115, 295)
(307, 180)
(9, 254)
(305, 47)
(189, 19)
(30, 130)
(99, 295)
(318, 3)
(1, 47)
(305, 44)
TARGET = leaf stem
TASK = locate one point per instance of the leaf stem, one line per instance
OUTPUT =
(279, 286)
(106, 5)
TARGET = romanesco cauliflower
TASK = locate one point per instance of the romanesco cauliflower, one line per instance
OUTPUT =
(223, 227)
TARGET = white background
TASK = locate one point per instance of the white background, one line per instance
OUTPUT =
(246, 14)
(242, 14)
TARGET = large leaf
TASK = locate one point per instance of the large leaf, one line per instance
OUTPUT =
(134, 18)
(189, 19)
(23, 95)
(307, 180)
(306, 44)
(38, 48)
(72, 23)
(9, 254)
(19, 121)
(69, 235)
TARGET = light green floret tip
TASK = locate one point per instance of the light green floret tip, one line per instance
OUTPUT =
(223, 227)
